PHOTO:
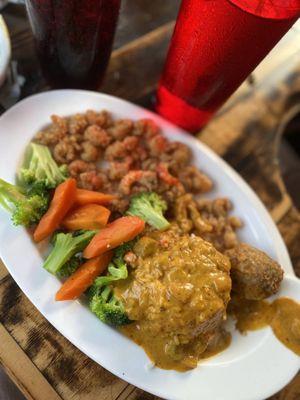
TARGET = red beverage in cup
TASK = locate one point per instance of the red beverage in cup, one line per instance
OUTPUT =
(215, 46)
(73, 39)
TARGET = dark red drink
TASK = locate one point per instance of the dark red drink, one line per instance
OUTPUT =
(74, 39)
(215, 46)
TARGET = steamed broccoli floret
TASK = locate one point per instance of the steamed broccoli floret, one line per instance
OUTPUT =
(25, 209)
(108, 308)
(66, 245)
(150, 207)
(117, 268)
(40, 188)
(103, 302)
(69, 267)
(39, 169)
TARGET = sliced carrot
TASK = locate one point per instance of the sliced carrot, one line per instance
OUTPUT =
(120, 231)
(83, 277)
(90, 216)
(62, 201)
(89, 197)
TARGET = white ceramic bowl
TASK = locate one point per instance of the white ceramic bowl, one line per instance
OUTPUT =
(252, 368)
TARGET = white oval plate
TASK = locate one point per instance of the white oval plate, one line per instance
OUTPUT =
(254, 367)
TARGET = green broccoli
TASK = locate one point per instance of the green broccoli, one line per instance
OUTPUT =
(108, 308)
(69, 267)
(66, 245)
(26, 209)
(117, 268)
(103, 301)
(39, 170)
(150, 207)
(40, 188)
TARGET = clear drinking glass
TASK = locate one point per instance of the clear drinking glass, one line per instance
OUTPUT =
(73, 39)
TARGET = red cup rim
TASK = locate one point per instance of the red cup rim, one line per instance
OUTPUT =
(271, 9)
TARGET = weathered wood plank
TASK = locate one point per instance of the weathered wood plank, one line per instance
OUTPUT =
(132, 73)
(21, 369)
(138, 17)
(138, 394)
(3, 271)
(246, 144)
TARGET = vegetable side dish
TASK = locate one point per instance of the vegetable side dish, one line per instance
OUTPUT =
(129, 227)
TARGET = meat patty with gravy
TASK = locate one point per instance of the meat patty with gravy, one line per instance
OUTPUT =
(255, 276)
(177, 298)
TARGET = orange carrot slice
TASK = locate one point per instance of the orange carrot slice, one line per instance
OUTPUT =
(120, 231)
(90, 217)
(83, 277)
(90, 197)
(62, 201)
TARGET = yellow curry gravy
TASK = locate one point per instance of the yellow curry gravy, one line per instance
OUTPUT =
(282, 315)
(177, 297)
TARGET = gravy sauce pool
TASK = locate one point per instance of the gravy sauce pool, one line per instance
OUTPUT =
(282, 315)
(190, 355)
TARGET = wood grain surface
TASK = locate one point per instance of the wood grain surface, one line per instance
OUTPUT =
(45, 365)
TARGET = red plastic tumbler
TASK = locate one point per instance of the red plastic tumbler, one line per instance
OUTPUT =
(215, 46)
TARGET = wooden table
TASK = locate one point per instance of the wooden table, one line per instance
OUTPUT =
(43, 363)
